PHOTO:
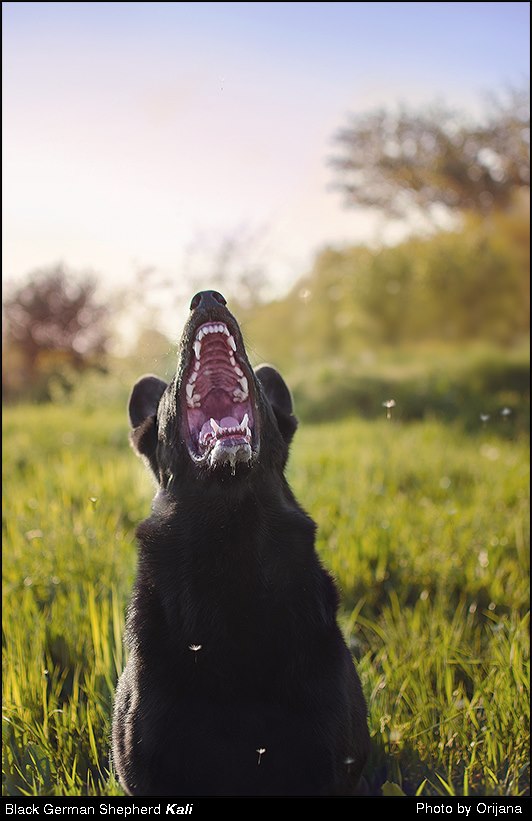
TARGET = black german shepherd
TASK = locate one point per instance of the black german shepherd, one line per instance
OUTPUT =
(238, 680)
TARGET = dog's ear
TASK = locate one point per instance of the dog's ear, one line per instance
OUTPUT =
(143, 404)
(280, 399)
(144, 399)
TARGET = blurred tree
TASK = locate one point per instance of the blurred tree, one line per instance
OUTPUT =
(52, 323)
(470, 284)
(397, 162)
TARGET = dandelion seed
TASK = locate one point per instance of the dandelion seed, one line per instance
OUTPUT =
(484, 417)
(506, 412)
(260, 751)
(195, 649)
(389, 404)
(483, 558)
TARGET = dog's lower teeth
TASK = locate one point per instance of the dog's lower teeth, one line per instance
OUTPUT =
(226, 427)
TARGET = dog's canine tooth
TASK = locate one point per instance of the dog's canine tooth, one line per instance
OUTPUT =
(197, 348)
(244, 385)
(231, 342)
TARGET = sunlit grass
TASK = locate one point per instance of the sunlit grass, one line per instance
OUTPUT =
(426, 531)
(424, 528)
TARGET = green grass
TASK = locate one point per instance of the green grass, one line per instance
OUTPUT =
(424, 527)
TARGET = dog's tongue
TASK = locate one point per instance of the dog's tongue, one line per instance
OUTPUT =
(229, 422)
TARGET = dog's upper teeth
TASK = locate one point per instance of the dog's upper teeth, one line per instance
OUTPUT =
(193, 399)
(240, 393)
(211, 329)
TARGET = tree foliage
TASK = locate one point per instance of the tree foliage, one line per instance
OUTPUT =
(467, 285)
(52, 322)
(399, 161)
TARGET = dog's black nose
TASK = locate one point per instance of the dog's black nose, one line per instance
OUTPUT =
(207, 299)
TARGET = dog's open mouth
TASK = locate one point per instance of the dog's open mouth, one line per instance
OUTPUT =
(217, 393)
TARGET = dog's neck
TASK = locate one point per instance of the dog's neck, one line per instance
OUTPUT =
(224, 520)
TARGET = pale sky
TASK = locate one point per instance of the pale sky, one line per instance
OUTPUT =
(132, 129)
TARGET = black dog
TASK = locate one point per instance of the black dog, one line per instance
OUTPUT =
(238, 681)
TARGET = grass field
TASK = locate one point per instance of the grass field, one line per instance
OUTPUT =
(424, 527)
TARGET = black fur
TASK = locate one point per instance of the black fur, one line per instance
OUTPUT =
(238, 680)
